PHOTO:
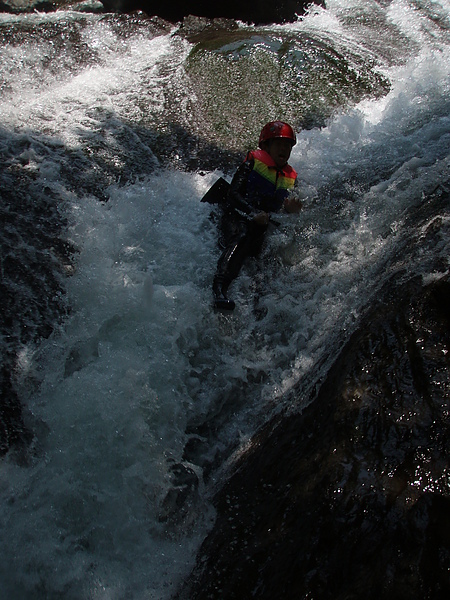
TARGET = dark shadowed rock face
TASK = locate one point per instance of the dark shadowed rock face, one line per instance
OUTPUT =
(350, 499)
(258, 12)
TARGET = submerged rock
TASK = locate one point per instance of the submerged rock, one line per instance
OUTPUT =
(351, 498)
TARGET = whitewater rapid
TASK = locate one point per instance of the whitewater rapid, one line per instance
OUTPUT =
(142, 367)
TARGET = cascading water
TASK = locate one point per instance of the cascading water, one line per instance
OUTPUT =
(112, 129)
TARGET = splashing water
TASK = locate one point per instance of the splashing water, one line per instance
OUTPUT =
(141, 395)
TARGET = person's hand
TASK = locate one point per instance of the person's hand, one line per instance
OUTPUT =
(292, 205)
(261, 218)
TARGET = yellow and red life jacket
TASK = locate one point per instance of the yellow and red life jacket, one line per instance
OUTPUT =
(268, 185)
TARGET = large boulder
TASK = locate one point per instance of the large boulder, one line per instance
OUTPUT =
(349, 499)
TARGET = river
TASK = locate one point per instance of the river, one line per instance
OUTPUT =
(135, 396)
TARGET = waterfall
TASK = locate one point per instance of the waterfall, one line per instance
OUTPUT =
(126, 398)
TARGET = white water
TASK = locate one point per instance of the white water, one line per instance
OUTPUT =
(142, 355)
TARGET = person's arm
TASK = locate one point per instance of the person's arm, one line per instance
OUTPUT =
(238, 188)
(236, 195)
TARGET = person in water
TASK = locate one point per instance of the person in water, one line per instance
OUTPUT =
(260, 186)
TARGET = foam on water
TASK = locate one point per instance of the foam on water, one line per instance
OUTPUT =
(124, 74)
(142, 360)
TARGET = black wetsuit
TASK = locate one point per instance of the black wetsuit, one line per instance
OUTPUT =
(241, 236)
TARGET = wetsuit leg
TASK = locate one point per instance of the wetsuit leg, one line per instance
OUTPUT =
(246, 240)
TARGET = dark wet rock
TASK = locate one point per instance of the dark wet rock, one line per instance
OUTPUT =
(13, 431)
(253, 12)
(351, 498)
(35, 259)
(182, 495)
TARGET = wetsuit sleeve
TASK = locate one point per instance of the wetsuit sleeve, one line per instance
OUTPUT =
(238, 189)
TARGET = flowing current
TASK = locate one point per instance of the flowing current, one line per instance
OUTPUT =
(141, 396)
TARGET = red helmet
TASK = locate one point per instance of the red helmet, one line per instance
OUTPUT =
(277, 129)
